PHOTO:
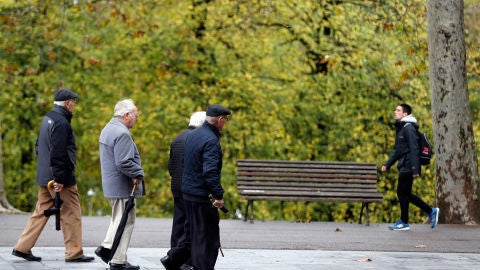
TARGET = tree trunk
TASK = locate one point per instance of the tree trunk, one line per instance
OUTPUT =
(458, 185)
(5, 206)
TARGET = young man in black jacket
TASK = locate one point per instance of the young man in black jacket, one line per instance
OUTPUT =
(406, 152)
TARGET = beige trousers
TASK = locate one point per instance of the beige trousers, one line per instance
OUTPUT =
(118, 207)
(70, 222)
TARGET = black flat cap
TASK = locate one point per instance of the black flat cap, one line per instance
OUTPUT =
(64, 94)
(217, 110)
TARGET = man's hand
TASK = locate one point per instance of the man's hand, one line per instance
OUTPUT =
(57, 187)
(384, 168)
(415, 175)
(218, 203)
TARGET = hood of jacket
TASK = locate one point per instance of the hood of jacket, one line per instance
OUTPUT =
(409, 119)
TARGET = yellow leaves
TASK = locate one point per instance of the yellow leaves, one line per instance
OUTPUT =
(10, 68)
(93, 62)
(388, 26)
(52, 55)
(93, 39)
(411, 51)
(136, 34)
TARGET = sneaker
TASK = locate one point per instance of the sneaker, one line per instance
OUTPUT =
(433, 217)
(399, 226)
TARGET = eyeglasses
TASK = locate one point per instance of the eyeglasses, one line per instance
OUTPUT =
(225, 117)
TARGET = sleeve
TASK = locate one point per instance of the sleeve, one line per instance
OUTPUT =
(397, 152)
(171, 162)
(124, 151)
(212, 167)
(58, 153)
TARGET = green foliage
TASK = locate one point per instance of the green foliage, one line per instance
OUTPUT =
(306, 80)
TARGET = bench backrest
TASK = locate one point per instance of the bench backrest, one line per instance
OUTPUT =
(307, 181)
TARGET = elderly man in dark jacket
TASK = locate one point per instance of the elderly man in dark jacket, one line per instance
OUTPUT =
(406, 152)
(179, 252)
(201, 178)
(56, 151)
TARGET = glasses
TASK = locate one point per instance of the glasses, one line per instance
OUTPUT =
(133, 113)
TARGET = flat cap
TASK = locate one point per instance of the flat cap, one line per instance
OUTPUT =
(64, 94)
(217, 110)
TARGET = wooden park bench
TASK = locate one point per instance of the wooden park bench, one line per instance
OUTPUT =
(309, 181)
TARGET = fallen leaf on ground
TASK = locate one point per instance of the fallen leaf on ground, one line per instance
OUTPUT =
(364, 260)
(421, 246)
(338, 229)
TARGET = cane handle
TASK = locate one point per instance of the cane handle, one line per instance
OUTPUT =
(50, 184)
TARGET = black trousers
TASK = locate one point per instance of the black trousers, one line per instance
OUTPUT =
(405, 196)
(180, 244)
(204, 234)
(179, 218)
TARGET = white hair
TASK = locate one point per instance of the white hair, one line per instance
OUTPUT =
(59, 103)
(197, 119)
(122, 107)
(211, 119)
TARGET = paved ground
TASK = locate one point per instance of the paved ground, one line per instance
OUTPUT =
(268, 245)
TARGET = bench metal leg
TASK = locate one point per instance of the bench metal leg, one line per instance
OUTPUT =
(249, 204)
(367, 214)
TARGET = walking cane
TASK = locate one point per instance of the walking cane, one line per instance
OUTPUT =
(55, 210)
(224, 210)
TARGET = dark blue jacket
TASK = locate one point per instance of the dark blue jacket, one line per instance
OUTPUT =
(406, 150)
(56, 148)
(202, 164)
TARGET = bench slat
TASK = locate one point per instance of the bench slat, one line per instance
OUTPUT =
(312, 199)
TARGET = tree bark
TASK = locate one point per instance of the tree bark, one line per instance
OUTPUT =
(458, 185)
(5, 206)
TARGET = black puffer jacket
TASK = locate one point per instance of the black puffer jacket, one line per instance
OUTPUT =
(406, 150)
(56, 148)
(175, 163)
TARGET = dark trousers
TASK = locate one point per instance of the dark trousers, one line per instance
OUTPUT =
(204, 234)
(180, 244)
(179, 218)
(405, 196)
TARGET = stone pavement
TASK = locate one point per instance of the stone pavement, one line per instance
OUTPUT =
(267, 245)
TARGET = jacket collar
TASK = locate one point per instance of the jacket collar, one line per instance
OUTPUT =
(63, 111)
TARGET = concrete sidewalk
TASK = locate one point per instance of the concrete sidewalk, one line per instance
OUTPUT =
(268, 245)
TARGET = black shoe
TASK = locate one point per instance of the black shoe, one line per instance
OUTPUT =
(167, 263)
(81, 259)
(103, 253)
(28, 257)
(127, 266)
(186, 267)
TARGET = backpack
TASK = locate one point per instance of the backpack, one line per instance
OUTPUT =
(425, 149)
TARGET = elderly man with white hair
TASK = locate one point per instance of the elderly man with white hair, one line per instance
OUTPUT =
(179, 252)
(121, 167)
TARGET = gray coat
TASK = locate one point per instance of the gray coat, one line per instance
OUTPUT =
(120, 162)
